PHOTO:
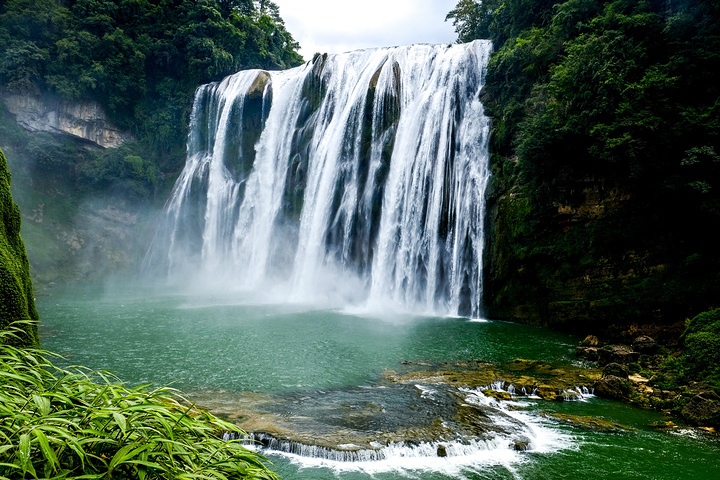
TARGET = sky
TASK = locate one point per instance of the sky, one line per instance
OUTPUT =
(336, 26)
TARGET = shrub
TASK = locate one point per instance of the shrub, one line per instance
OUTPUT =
(73, 423)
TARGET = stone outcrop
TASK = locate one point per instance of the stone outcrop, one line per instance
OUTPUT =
(85, 120)
(645, 345)
(610, 386)
(617, 354)
(703, 409)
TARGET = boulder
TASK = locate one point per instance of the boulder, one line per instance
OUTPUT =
(590, 341)
(703, 409)
(645, 345)
(549, 392)
(521, 445)
(497, 395)
(615, 369)
(617, 354)
(612, 387)
(441, 451)
(587, 353)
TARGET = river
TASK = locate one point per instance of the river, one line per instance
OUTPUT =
(324, 363)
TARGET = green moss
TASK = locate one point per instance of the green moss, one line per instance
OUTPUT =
(16, 296)
(699, 360)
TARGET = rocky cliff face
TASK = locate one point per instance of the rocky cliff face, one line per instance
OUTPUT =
(16, 293)
(85, 120)
(577, 255)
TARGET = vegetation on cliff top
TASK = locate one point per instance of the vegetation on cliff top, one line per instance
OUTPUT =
(606, 158)
(142, 60)
(16, 294)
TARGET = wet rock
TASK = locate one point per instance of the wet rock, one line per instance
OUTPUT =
(617, 354)
(548, 392)
(521, 445)
(703, 409)
(645, 345)
(612, 387)
(441, 451)
(497, 395)
(615, 369)
(520, 364)
(587, 353)
(590, 341)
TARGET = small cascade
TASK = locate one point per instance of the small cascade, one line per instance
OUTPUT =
(580, 392)
(360, 176)
(352, 453)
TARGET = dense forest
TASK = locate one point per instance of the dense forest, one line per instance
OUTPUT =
(141, 60)
(605, 154)
(606, 158)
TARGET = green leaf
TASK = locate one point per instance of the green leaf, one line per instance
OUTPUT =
(24, 451)
(42, 403)
(121, 421)
(47, 450)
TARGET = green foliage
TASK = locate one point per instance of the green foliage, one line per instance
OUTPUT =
(609, 110)
(16, 294)
(141, 60)
(73, 423)
(701, 357)
(699, 360)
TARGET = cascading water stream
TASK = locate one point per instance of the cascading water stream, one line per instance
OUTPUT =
(360, 175)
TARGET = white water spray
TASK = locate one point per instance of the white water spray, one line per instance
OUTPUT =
(360, 175)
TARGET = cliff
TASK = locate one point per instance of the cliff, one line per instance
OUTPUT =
(86, 120)
(16, 292)
(586, 255)
(606, 162)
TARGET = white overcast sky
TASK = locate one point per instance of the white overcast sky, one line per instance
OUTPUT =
(336, 26)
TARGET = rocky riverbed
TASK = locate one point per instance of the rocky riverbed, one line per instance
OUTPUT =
(634, 374)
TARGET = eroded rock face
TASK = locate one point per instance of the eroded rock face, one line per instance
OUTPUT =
(85, 120)
(612, 387)
(703, 409)
(617, 354)
(645, 345)
(616, 369)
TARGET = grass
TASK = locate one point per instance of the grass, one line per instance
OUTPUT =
(74, 423)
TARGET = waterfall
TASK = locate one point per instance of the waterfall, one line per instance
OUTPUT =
(360, 174)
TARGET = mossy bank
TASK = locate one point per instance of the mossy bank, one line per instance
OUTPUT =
(16, 292)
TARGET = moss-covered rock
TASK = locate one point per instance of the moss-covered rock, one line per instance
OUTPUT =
(703, 409)
(699, 359)
(16, 296)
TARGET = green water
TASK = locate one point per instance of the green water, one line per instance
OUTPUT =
(221, 345)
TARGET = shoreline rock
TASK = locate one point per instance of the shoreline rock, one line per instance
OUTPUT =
(622, 380)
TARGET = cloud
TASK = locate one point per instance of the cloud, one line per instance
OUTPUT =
(334, 26)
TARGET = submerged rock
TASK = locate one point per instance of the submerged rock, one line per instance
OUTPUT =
(589, 423)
